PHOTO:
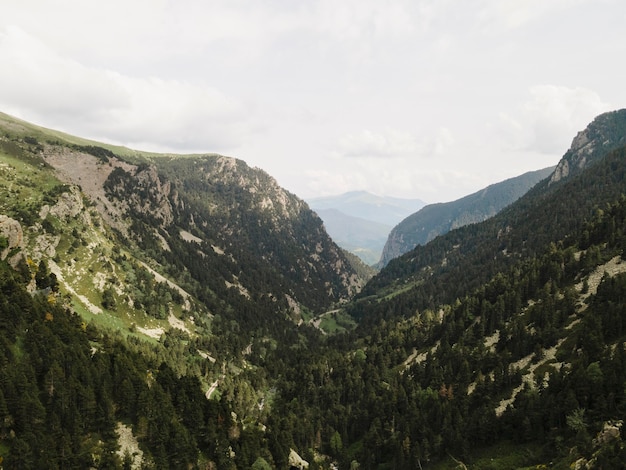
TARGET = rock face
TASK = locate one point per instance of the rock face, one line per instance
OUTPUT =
(68, 206)
(605, 133)
(295, 461)
(237, 223)
(144, 193)
(610, 432)
(11, 230)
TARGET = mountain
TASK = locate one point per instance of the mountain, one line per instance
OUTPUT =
(182, 266)
(364, 238)
(498, 344)
(231, 227)
(520, 227)
(384, 210)
(186, 312)
(435, 219)
(605, 133)
(360, 222)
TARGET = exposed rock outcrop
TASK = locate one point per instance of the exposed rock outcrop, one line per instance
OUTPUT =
(11, 230)
(295, 461)
(68, 206)
(605, 133)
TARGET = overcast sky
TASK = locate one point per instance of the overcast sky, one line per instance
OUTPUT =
(429, 99)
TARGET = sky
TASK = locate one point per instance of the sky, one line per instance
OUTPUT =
(428, 99)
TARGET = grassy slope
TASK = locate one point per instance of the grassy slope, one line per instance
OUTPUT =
(15, 127)
(84, 246)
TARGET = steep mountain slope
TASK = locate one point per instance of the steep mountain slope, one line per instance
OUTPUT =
(526, 371)
(468, 256)
(606, 132)
(241, 223)
(497, 345)
(436, 219)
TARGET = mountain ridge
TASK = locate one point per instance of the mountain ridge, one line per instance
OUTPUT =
(496, 241)
(436, 219)
(148, 205)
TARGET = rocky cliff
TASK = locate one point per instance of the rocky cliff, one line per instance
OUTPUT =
(605, 133)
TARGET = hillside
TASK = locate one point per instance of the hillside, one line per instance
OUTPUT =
(194, 261)
(436, 219)
(499, 345)
(604, 134)
(230, 226)
(161, 312)
(476, 252)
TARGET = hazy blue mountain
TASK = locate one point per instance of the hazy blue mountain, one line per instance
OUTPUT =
(361, 237)
(436, 219)
(360, 222)
(368, 206)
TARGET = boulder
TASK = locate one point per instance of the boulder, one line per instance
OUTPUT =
(295, 461)
(11, 230)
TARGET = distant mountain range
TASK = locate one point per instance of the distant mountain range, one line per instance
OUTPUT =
(382, 209)
(378, 229)
(360, 222)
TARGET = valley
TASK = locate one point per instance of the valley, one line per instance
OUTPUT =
(185, 311)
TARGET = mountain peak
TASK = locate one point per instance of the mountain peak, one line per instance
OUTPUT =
(605, 133)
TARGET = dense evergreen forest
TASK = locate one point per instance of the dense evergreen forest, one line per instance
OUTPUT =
(64, 386)
(373, 406)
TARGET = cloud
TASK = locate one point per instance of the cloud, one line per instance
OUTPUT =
(393, 143)
(363, 19)
(550, 118)
(178, 115)
(160, 113)
(407, 181)
(497, 16)
(35, 78)
(390, 143)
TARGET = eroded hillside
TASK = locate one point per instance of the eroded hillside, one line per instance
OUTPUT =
(200, 263)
